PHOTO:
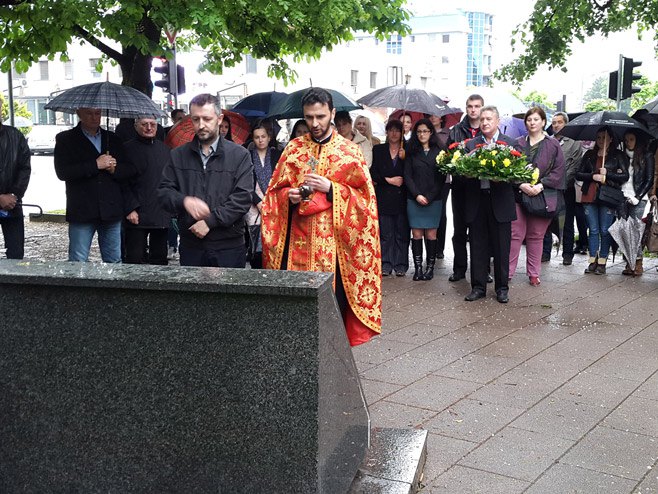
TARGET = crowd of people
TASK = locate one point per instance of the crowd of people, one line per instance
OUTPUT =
(334, 198)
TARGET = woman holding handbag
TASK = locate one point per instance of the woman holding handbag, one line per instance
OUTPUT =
(603, 170)
(545, 153)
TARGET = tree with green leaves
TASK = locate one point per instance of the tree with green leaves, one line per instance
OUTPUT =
(131, 32)
(536, 98)
(546, 37)
(20, 110)
(648, 92)
(598, 90)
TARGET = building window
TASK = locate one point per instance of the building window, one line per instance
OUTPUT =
(43, 70)
(412, 38)
(68, 70)
(431, 37)
(394, 75)
(354, 78)
(445, 60)
(407, 79)
(373, 80)
(394, 45)
(95, 73)
(446, 38)
(252, 67)
(423, 82)
(17, 75)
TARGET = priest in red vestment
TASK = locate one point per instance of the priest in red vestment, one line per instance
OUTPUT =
(320, 214)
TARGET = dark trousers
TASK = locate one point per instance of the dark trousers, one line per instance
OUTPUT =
(235, 257)
(489, 236)
(581, 223)
(441, 231)
(13, 231)
(460, 234)
(569, 217)
(172, 239)
(145, 245)
(394, 238)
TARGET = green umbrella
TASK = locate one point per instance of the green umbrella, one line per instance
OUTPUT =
(291, 105)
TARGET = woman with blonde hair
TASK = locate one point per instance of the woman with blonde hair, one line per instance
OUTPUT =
(363, 125)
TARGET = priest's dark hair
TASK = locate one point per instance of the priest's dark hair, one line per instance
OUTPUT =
(318, 95)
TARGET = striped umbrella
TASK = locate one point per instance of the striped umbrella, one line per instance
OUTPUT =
(115, 100)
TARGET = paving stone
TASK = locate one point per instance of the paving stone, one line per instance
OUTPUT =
(569, 479)
(582, 345)
(596, 389)
(518, 453)
(477, 368)
(624, 366)
(635, 415)
(442, 453)
(379, 350)
(620, 453)
(406, 369)
(388, 414)
(472, 420)
(650, 483)
(517, 346)
(568, 419)
(611, 331)
(433, 392)
(641, 345)
(465, 480)
(376, 390)
(418, 333)
(519, 388)
(649, 389)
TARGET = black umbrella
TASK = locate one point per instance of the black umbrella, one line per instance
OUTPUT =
(258, 105)
(405, 98)
(291, 105)
(115, 100)
(584, 127)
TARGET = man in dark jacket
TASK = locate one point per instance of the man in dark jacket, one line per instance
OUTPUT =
(209, 184)
(468, 128)
(147, 224)
(489, 212)
(94, 165)
(14, 177)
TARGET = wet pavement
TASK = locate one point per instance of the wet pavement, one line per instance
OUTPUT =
(555, 392)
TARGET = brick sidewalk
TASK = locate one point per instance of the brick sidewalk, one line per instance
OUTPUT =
(555, 392)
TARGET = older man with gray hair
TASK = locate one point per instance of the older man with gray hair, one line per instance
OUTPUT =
(147, 224)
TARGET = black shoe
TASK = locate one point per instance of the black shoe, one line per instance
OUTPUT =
(475, 295)
(489, 278)
(600, 269)
(591, 268)
(456, 277)
(567, 259)
(502, 296)
(400, 273)
(545, 258)
(386, 273)
(439, 255)
(581, 250)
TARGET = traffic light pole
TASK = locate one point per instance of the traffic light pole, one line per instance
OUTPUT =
(174, 75)
(619, 81)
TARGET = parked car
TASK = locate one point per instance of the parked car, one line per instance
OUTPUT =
(41, 138)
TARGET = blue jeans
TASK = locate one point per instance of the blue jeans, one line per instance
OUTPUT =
(109, 240)
(599, 218)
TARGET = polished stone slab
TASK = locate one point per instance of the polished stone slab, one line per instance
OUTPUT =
(394, 463)
(117, 378)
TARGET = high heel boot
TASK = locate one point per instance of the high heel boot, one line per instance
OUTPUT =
(417, 253)
(430, 247)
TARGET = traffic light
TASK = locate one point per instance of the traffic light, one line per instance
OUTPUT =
(165, 70)
(627, 88)
(612, 84)
(180, 79)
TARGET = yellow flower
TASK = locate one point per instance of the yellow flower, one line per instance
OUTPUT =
(494, 152)
(483, 162)
(535, 176)
(439, 158)
(506, 162)
(493, 163)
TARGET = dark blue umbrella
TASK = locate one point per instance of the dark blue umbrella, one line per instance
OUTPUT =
(258, 105)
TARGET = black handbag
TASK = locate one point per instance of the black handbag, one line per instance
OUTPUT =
(539, 206)
(610, 196)
(253, 238)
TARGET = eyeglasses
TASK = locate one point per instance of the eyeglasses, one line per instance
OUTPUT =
(419, 132)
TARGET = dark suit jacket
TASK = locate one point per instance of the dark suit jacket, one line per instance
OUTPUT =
(390, 199)
(91, 194)
(502, 193)
(421, 175)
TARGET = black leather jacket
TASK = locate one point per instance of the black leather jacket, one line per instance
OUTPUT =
(14, 162)
(616, 165)
(643, 176)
